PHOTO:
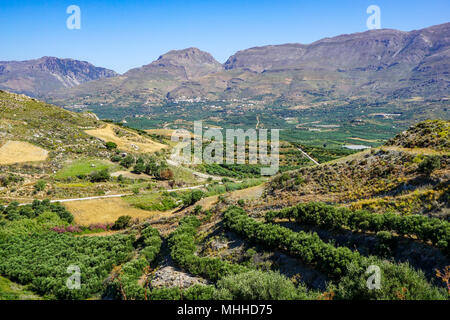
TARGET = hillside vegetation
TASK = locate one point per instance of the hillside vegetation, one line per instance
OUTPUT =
(433, 134)
(411, 178)
(48, 151)
(56, 130)
(210, 243)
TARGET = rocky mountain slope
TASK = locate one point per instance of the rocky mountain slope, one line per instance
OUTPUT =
(179, 73)
(184, 64)
(40, 76)
(377, 62)
(374, 64)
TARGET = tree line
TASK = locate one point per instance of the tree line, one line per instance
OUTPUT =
(435, 230)
(346, 268)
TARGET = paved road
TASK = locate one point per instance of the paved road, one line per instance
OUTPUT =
(119, 195)
(307, 155)
(190, 188)
(196, 173)
(169, 161)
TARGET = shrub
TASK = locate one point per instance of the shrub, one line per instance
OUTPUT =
(258, 285)
(435, 230)
(199, 292)
(110, 145)
(126, 285)
(136, 190)
(429, 164)
(139, 168)
(165, 174)
(116, 158)
(386, 243)
(11, 179)
(127, 162)
(165, 294)
(151, 242)
(99, 176)
(151, 167)
(40, 185)
(398, 282)
(198, 209)
(15, 212)
(329, 259)
(122, 222)
(192, 197)
(299, 180)
(41, 260)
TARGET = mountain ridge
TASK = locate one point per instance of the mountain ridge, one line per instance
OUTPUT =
(379, 64)
(37, 77)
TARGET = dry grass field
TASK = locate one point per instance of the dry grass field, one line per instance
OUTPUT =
(18, 152)
(163, 132)
(127, 141)
(166, 132)
(251, 193)
(423, 151)
(130, 175)
(104, 211)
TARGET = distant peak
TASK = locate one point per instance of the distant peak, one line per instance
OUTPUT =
(187, 53)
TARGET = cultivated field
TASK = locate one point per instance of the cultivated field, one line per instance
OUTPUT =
(18, 151)
(104, 211)
(83, 167)
(126, 140)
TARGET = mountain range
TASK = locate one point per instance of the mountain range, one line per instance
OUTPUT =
(41, 76)
(376, 64)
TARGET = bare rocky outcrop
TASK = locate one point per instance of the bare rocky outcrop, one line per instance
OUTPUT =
(168, 277)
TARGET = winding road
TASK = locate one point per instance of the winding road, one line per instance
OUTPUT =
(307, 155)
(119, 195)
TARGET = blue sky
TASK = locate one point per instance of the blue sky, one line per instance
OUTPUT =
(124, 34)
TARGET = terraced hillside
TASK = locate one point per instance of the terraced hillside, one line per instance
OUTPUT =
(239, 245)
